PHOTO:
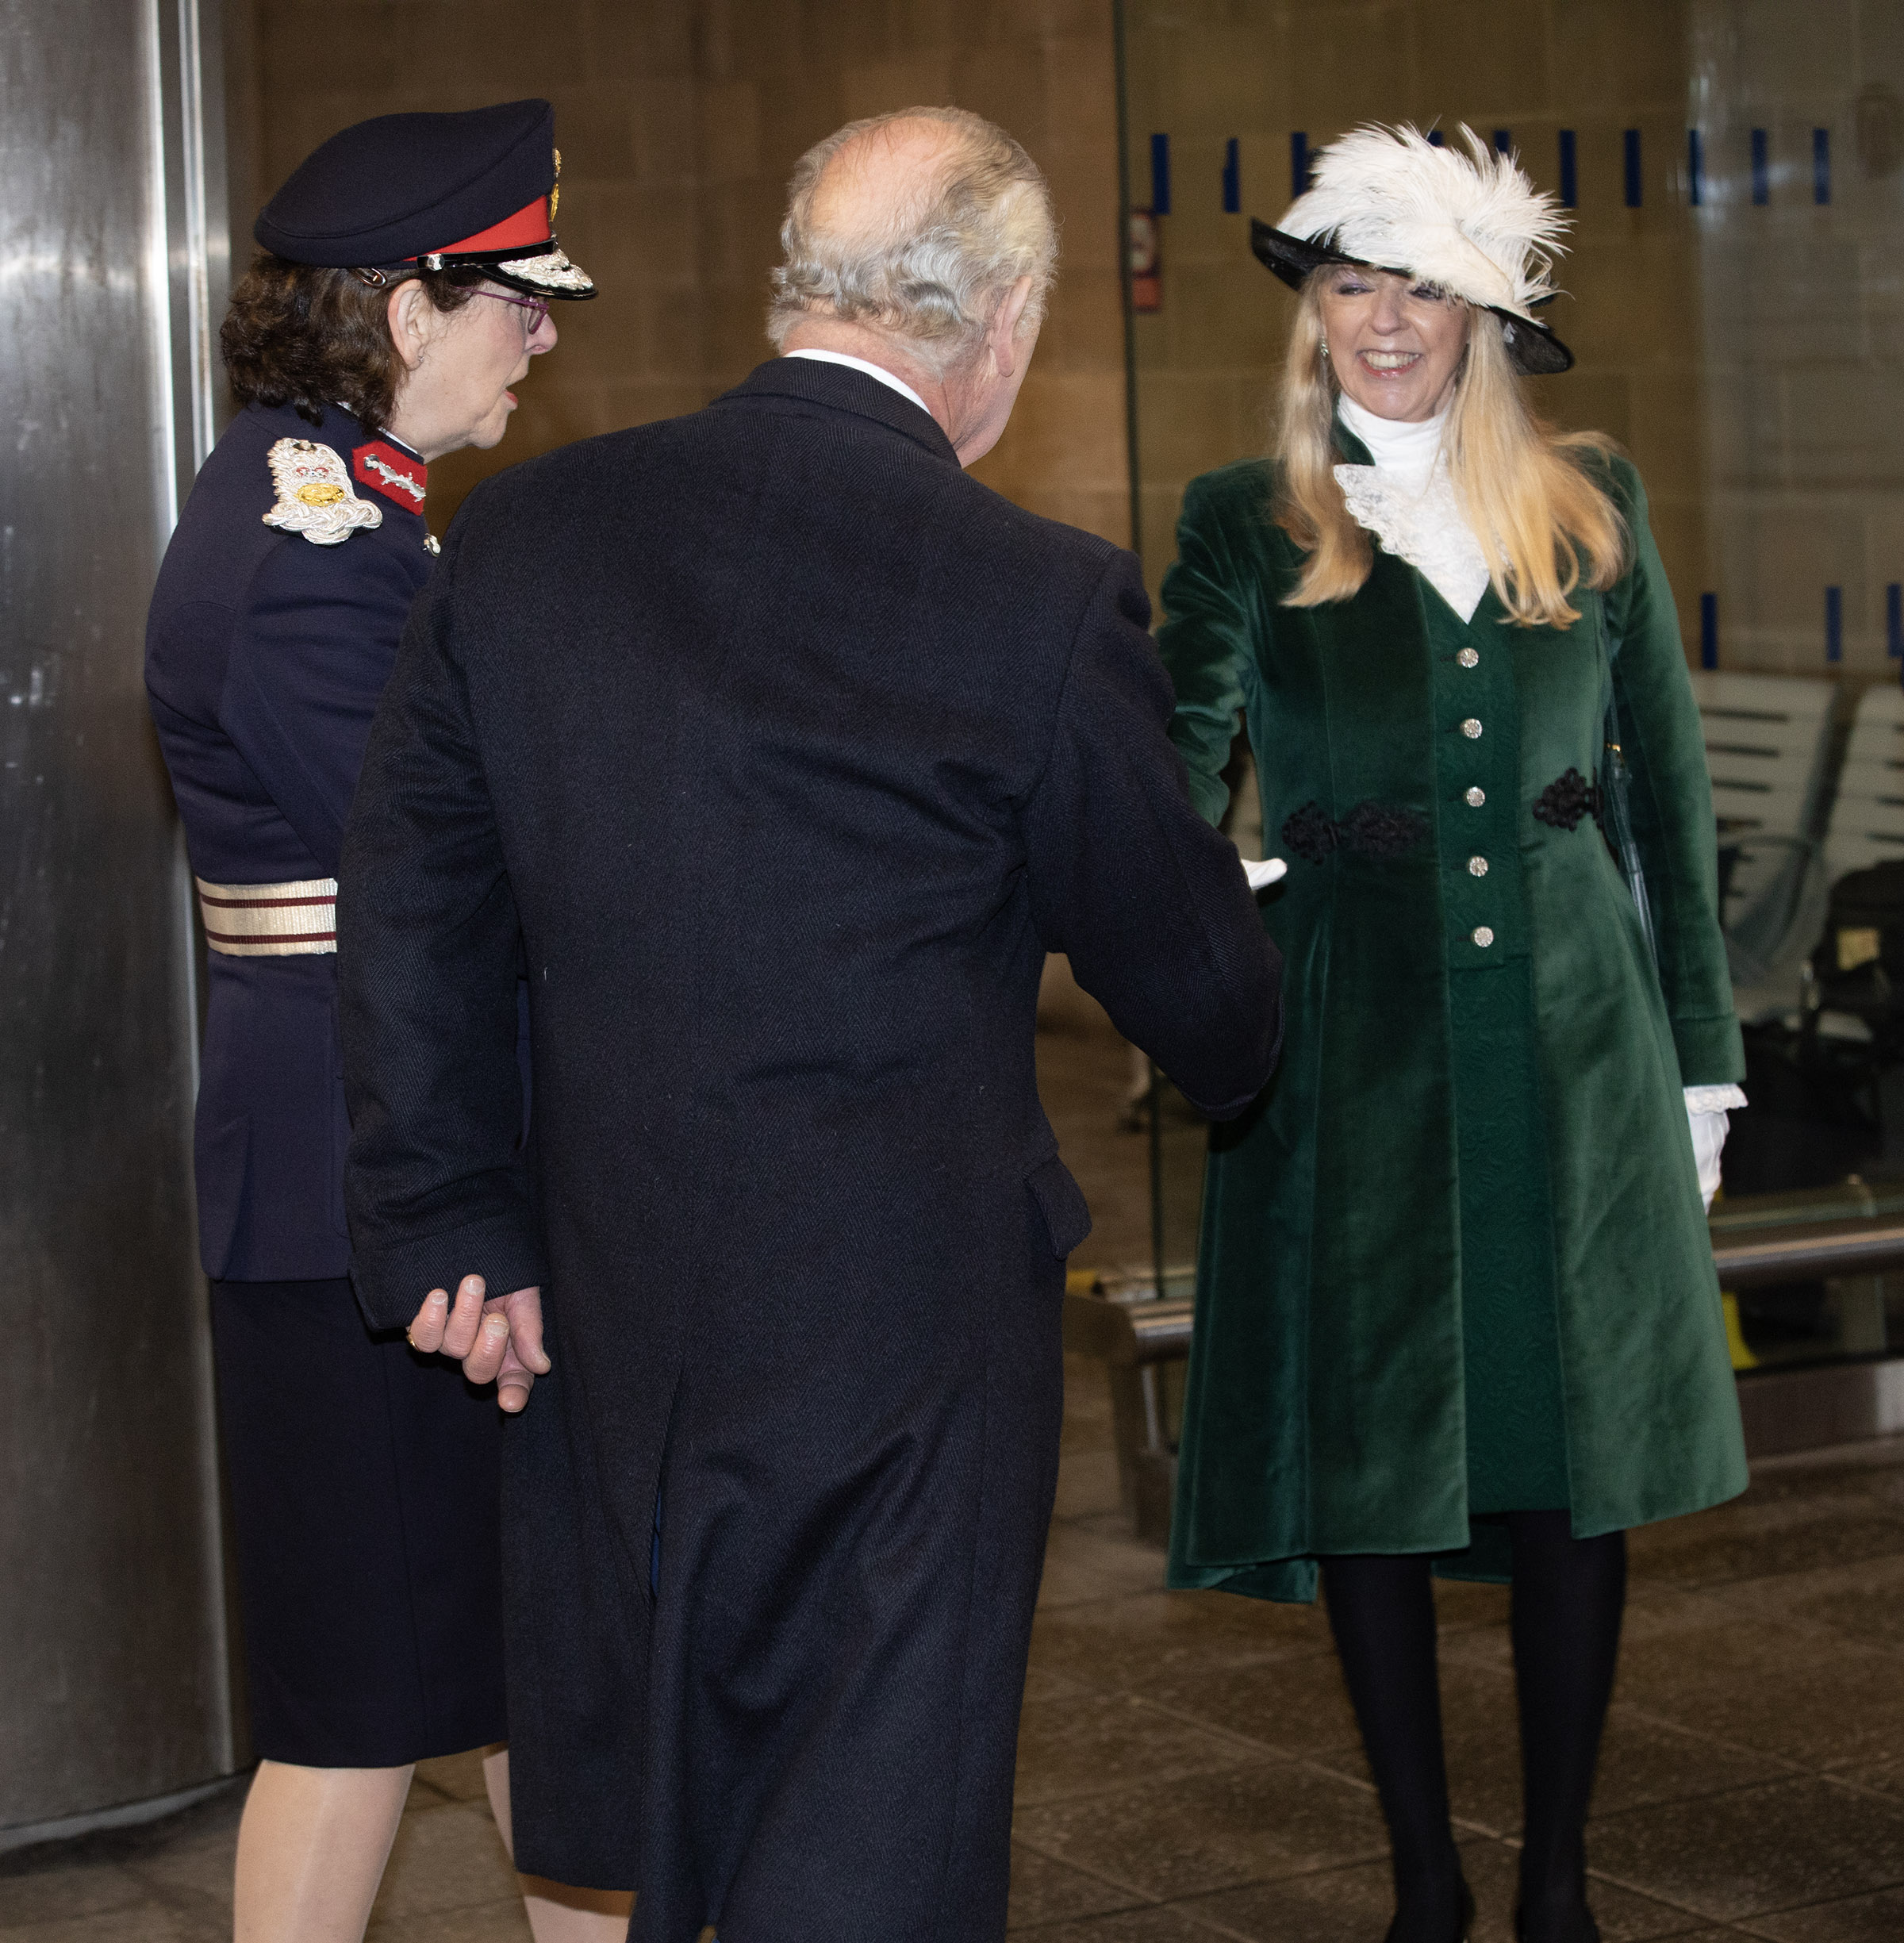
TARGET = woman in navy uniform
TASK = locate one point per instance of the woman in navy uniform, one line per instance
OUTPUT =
(404, 286)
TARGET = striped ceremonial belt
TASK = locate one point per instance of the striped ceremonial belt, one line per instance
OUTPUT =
(270, 920)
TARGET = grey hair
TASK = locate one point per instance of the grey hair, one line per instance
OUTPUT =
(932, 270)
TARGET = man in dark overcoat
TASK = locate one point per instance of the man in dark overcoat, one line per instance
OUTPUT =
(784, 751)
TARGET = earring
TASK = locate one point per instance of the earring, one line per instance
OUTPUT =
(1324, 347)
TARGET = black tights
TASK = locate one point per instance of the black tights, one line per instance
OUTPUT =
(1568, 1594)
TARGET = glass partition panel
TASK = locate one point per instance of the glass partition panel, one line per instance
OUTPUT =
(1734, 295)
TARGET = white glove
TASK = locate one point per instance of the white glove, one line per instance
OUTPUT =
(1262, 875)
(1705, 1112)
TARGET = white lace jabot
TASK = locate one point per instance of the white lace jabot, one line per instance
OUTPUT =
(1405, 499)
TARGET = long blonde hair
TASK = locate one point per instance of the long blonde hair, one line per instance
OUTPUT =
(1544, 525)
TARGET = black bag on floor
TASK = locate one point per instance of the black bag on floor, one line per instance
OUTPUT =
(1858, 965)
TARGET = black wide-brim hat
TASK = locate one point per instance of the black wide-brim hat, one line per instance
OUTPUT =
(1532, 347)
(401, 192)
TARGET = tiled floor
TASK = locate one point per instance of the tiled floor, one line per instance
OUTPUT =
(1189, 1768)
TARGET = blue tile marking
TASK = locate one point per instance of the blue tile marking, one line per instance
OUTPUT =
(1695, 168)
(1893, 621)
(1570, 178)
(1503, 142)
(1635, 187)
(1709, 631)
(1298, 163)
(1761, 168)
(1834, 624)
(1160, 174)
(1821, 165)
(1232, 178)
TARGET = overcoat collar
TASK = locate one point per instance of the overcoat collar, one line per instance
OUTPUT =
(843, 389)
(1348, 448)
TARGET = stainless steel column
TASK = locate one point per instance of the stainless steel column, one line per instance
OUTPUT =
(112, 257)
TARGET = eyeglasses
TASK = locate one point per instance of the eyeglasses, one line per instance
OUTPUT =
(537, 309)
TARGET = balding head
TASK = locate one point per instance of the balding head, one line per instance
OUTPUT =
(914, 224)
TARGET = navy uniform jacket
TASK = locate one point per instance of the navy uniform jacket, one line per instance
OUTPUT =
(266, 654)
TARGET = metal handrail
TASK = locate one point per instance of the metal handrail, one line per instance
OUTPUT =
(1131, 1335)
(1809, 1252)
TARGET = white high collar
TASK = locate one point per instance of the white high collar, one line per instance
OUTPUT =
(1406, 452)
(1406, 500)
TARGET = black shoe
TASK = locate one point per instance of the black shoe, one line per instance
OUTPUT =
(1574, 1924)
(1463, 1927)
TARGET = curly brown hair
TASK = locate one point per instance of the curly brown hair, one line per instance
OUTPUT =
(302, 335)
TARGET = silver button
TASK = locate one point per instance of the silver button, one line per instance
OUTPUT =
(1468, 658)
(1482, 936)
(1477, 866)
(1472, 729)
(1475, 796)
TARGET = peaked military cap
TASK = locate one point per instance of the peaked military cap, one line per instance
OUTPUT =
(434, 191)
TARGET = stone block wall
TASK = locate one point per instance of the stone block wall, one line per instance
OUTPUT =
(1259, 71)
(679, 124)
(1802, 301)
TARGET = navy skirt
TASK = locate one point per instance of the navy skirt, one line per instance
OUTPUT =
(364, 1482)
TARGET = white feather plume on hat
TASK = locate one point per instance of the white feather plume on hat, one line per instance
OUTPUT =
(1471, 223)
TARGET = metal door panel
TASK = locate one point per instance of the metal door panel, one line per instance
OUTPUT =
(111, 1591)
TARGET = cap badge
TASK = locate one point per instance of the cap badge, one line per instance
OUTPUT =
(399, 478)
(314, 495)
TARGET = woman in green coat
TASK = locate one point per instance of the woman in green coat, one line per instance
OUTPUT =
(1455, 1304)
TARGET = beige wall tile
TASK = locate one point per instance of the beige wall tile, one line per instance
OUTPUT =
(740, 230)
(665, 118)
(1085, 331)
(727, 123)
(1615, 54)
(1489, 55)
(1781, 557)
(679, 121)
(1583, 400)
(921, 80)
(1231, 315)
(1844, 428)
(595, 131)
(1357, 65)
(796, 111)
(1190, 424)
(1069, 428)
(643, 403)
(1105, 512)
(1235, 76)
(1081, 92)
(1083, 189)
(1803, 49)
(1005, 86)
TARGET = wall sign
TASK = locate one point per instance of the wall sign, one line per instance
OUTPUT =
(1146, 263)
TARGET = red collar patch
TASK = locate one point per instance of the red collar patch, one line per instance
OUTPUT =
(400, 478)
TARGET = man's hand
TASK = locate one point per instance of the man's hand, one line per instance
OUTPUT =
(499, 1340)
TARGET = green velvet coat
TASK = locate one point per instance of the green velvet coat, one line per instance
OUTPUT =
(1453, 1260)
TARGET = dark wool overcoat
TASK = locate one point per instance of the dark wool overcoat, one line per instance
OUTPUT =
(1454, 1261)
(790, 750)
